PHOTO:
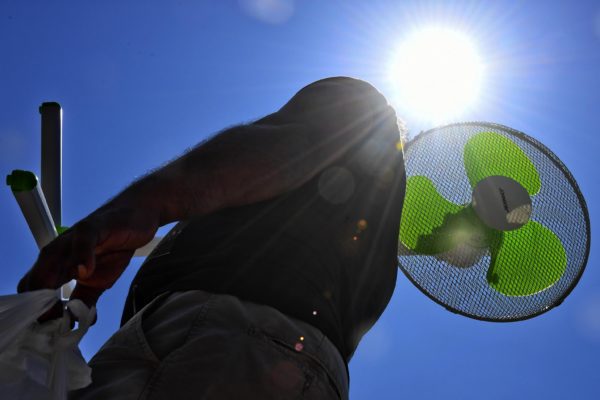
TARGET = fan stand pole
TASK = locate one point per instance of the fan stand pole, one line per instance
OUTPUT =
(51, 115)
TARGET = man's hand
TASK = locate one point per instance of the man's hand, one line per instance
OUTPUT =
(95, 252)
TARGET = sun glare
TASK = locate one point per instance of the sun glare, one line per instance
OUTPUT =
(437, 73)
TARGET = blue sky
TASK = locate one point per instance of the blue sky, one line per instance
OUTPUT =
(140, 84)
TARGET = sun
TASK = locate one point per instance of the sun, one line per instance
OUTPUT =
(437, 73)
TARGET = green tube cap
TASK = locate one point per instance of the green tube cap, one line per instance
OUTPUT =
(21, 181)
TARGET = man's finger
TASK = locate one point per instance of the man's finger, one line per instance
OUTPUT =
(89, 295)
(82, 259)
(109, 268)
(47, 272)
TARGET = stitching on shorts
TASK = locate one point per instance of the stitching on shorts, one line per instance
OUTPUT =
(325, 369)
(166, 362)
(142, 341)
(200, 316)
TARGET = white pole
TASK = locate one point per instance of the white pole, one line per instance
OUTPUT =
(31, 200)
(29, 196)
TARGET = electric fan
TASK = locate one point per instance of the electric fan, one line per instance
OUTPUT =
(494, 226)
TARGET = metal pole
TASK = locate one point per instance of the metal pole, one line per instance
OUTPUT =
(52, 158)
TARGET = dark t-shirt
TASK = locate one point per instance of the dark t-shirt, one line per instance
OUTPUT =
(325, 253)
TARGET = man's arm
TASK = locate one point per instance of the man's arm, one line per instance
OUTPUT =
(242, 165)
(280, 152)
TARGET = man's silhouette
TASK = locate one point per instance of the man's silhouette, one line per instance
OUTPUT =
(283, 257)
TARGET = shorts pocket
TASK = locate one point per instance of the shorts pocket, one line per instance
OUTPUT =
(317, 383)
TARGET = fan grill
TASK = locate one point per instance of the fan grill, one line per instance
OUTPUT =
(558, 206)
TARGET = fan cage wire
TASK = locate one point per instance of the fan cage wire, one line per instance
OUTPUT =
(571, 181)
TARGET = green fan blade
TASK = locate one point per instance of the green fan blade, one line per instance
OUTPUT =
(489, 154)
(526, 260)
(425, 212)
(462, 227)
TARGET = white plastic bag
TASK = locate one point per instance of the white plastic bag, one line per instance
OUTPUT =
(41, 361)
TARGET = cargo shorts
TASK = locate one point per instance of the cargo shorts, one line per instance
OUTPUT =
(199, 345)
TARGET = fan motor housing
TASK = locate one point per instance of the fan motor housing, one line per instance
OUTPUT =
(501, 203)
